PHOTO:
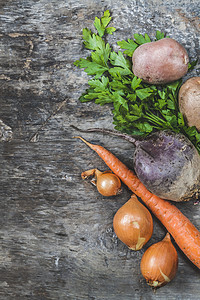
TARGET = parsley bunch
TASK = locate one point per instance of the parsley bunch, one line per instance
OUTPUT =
(138, 108)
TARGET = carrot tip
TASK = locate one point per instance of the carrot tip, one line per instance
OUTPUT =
(83, 140)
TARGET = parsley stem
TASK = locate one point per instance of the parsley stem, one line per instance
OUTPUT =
(155, 119)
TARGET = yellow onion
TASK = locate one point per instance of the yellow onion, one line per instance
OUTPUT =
(133, 224)
(107, 183)
(159, 263)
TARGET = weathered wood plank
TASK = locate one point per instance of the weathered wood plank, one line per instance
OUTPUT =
(57, 240)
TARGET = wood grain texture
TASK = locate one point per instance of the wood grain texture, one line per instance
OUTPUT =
(57, 240)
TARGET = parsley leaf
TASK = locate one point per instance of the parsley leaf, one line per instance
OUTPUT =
(92, 41)
(99, 84)
(91, 67)
(123, 65)
(192, 65)
(159, 35)
(135, 83)
(140, 39)
(129, 46)
(101, 24)
(144, 93)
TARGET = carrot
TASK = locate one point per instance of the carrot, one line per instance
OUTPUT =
(183, 231)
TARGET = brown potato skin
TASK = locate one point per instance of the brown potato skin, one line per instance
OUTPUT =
(189, 101)
(160, 62)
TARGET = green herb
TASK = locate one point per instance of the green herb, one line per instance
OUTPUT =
(138, 108)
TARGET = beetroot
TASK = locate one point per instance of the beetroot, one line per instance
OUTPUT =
(168, 165)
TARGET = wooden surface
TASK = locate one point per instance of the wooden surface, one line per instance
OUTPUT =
(57, 240)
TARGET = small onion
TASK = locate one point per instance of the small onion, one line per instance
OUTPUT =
(159, 263)
(107, 183)
(133, 224)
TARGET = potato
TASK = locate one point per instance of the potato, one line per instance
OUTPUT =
(189, 101)
(160, 62)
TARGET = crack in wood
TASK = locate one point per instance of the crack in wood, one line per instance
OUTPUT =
(34, 137)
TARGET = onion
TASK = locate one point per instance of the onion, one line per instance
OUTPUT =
(159, 263)
(107, 183)
(133, 224)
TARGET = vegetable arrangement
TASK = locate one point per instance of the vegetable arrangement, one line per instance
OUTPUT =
(183, 231)
(155, 113)
(166, 162)
(138, 108)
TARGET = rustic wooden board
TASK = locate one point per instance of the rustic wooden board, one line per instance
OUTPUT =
(57, 240)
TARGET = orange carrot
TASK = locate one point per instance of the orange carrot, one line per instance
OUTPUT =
(183, 231)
